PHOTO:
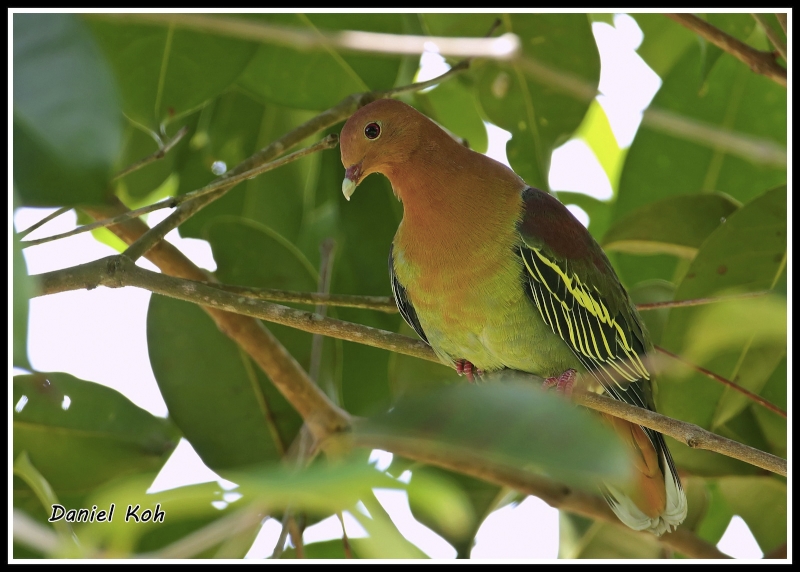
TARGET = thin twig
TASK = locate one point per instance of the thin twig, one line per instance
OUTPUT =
(504, 47)
(321, 416)
(126, 216)
(711, 375)
(159, 154)
(348, 553)
(781, 16)
(118, 271)
(189, 203)
(44, 221)
(219, 185)
(696, 301)
(773, 36)
(760, 62)
(326, 253)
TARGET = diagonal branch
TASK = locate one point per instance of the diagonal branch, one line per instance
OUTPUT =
(159, 154)
(323, 418)
(553, 493)
(760, 62)
(773, 36)
(736, 387)
(119, 271)
(192, 202)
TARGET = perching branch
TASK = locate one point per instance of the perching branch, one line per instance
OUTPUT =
(760, 62)
(119, 271)
(781, 16)
(504, 47)
(322, 417)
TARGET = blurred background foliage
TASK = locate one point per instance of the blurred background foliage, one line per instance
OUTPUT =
(687, 219)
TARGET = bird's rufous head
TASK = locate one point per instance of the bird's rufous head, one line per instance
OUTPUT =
(377, 136)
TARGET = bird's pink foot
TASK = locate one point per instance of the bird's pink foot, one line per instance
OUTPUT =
(563, 383)
(464, 367)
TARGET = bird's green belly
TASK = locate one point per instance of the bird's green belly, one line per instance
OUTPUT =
(491, 323)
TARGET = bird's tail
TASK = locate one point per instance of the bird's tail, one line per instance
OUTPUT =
(655, 501)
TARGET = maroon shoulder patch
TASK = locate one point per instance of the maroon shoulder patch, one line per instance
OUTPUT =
(547, 221)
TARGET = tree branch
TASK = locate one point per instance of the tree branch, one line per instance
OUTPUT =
(118, 271)
(555, 494)
(159, 154)
(504, 47)
(773, 36)
(190, 203)
(736, 387)
(44, 221)
(760, 62)
(322, 417)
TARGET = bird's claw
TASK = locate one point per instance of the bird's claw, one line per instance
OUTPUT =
(563, 383)
(464, 367)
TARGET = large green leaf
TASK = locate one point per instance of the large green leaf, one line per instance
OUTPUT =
(744, 343)
(80, 434)
(453, 106)
(66, 117)
(774, 427)
(762, 503)
(664, 41)
(659, 165)
(328, 76)
(164, 72)
(230, 130)
(226, 407)
(538, 430)
(539, 116)
(675, 225)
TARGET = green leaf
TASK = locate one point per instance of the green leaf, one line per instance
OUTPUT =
(66, 137)
(676, 225)
(230, 130)
(462, 421)
(580, 537)
(327, 550)
(718, 515)
(665, 41)
(739, 26)
(774, 427)
(648, 292)
(328, 76)
(659, 165)
(741, 339)
(455, 108)
(80, 434)
(224, 404)
(539, 116)
(22, 290)
(166, 72)
(749, 497)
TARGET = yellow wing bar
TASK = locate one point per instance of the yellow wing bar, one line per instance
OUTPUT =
(578, 314)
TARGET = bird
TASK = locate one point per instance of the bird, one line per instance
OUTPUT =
(495, 274)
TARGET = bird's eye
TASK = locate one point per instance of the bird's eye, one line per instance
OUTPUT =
(372, 131)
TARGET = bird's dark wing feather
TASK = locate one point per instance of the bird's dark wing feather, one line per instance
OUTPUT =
(402, 301)
(578, 295)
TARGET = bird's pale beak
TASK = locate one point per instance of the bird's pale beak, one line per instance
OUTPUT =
(352, 177)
